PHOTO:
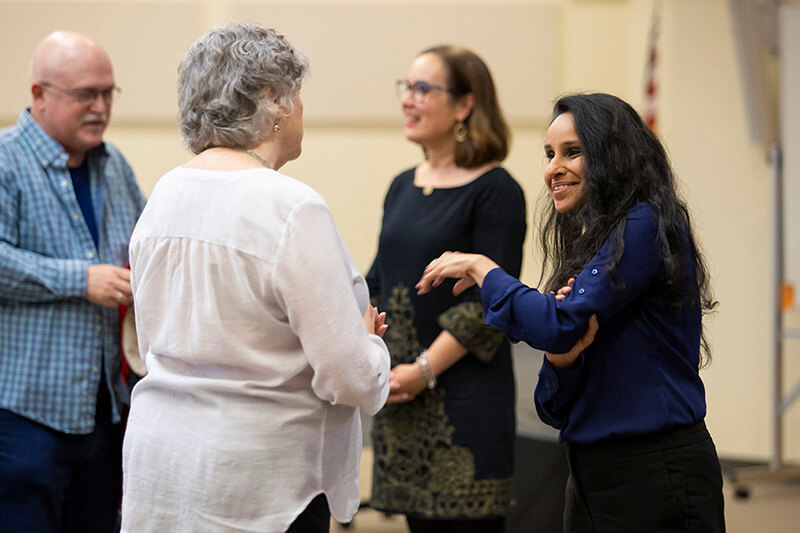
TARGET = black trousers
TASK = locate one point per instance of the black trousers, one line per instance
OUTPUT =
(316, 518)
(665, 482)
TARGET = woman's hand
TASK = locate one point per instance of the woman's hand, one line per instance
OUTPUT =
(566, 289)
(375, 321)
(469, 269)
(566, 360)
(405, 382)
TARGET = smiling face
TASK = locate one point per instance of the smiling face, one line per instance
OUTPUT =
(430, 123)
(565, 173)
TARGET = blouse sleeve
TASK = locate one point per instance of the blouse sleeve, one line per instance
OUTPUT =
(538, 319)
(556, 391)
(555, 327)
(313, 282)
(498, 233)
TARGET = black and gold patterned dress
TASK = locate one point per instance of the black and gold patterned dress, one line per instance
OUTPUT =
(449, 453)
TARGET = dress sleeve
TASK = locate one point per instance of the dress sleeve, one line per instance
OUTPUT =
(314, 285)
(465, 322)
(28, 276)
(498, 231)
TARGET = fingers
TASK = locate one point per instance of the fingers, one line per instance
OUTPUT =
(108, 285)
(380, 324)
(594, 325)
(445, 266)
(396, 395)
(565, 290)
(371, 319)
(375, 321)
(123, 293)
(462, 285)
(402, 397)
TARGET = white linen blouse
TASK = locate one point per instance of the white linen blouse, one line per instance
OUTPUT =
(249, 315)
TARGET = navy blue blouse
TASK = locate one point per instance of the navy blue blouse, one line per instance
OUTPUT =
(640, 374)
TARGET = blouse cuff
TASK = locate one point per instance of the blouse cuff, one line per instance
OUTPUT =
(564, 381)
(464, 321)
(496, 286)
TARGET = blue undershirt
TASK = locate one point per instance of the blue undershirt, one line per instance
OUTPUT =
(83, 192)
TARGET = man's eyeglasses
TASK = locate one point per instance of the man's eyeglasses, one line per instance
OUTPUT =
(87, 96)
(419, 90)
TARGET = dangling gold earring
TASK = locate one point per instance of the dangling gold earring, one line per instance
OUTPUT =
(461, 132)
(276, 128)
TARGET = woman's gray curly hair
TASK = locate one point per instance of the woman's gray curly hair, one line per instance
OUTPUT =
(232, 84)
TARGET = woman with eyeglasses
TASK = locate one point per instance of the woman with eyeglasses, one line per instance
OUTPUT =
(444, 444)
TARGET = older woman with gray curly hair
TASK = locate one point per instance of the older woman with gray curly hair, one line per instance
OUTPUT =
(254, 321)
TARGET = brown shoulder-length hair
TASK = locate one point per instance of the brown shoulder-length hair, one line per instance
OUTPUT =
(488, 136)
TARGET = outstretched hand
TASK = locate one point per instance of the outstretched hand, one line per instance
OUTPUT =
(468, 269)
(566, 360)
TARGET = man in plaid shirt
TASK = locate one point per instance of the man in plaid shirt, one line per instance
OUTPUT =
(69, 204)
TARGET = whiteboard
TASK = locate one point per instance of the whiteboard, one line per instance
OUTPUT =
(790, 135)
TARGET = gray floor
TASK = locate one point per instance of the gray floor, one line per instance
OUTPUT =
(772, 508)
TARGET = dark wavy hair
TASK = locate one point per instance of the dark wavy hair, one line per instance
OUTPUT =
(625, 164)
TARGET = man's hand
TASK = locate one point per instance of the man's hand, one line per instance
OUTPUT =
(109, 285)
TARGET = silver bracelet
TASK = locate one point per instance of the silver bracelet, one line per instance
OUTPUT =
(426, 369)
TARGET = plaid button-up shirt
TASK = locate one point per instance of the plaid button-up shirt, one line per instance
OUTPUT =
(54, 342)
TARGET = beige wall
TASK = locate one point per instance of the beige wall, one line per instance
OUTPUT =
(537, 50)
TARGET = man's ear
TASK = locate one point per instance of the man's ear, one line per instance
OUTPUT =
(36, 90)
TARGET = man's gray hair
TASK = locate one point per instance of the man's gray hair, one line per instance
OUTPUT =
(232, 84)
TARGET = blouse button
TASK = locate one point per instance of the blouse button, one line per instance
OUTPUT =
(581, 290)
(594, 271)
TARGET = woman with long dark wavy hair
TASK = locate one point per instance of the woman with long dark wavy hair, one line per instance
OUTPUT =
(619, 251)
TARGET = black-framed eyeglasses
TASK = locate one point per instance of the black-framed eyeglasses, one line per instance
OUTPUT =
(87, 96)
(419, 90)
